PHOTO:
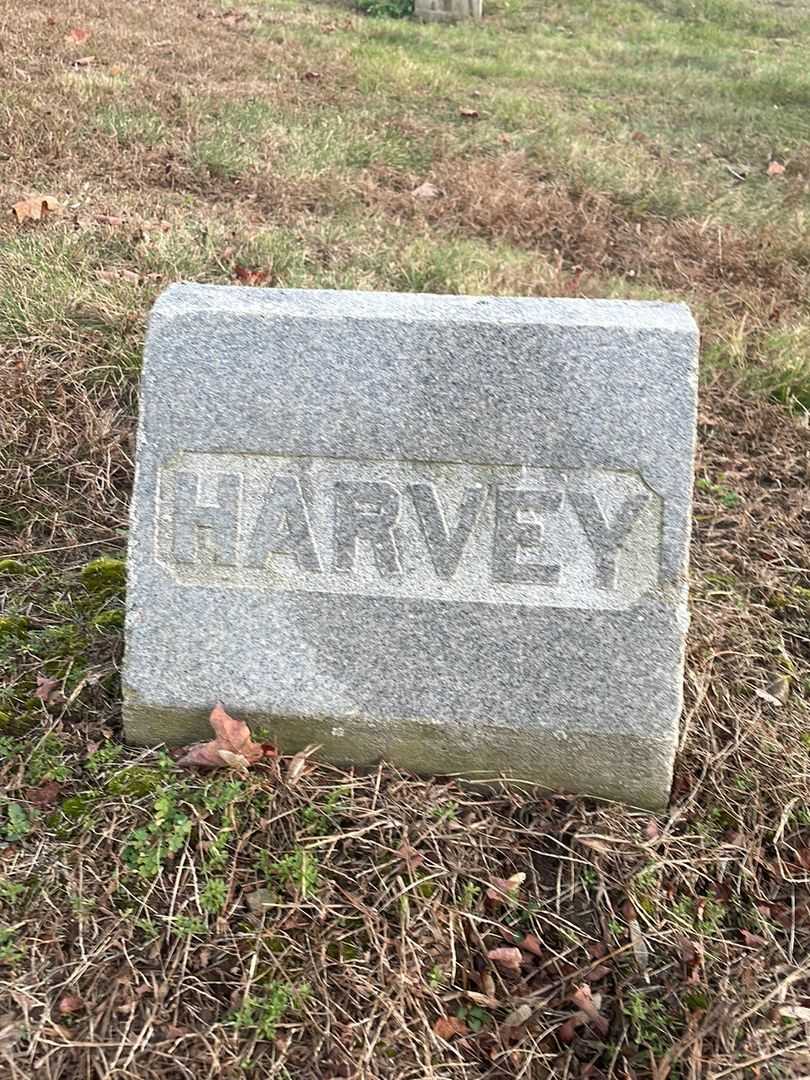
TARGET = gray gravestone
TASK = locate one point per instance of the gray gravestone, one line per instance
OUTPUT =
(447, 10)
(447, 531)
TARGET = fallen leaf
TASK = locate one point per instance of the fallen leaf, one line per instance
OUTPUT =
(409, 855)
(651, 830)
(45, 794)
(250, 277)
(69, 1004)
(35, 208)
(46, 688)
(312, 76)
(298, 765)
(589, 1004)
(119, 274)
(753, 940)
(77, 36)
(486, 1000)
(531, 944)
(506, 959)
(234, 761)
(232, 736)
(470, 114)
(640, 950)
(448, 1026)
(518, 1016)
(775, 169)
(505, 888)
(426, 191)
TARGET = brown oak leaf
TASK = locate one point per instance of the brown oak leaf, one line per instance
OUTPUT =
(426, 190)
(45, 794)
(531, 944)
(250, 277)
(77, 36)
(46, 688)
(588, 1004)
(69, 1004)
(505, 888)
(232, 748)
(35, 208)
(298, 764)
(507, 959)
(448, 1026)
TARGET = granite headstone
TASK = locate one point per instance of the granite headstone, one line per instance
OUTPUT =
(447, 531)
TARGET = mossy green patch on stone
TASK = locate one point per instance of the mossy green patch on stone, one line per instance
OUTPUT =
(135, 782)
(105, 576)
(12, 567)
(109, 620)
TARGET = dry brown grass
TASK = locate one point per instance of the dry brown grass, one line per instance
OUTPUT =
(507, 198)
(693, 927)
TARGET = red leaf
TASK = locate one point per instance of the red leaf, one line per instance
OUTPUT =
(77, 36)
(753, 940)
(232, 748)
(45, 688)
(505, 888)
(44, 795)
(409, 855)
(507, 959)
(584, 1001)
(775, 169)
(69, 1004)
(250, 277)
(448, 1026)
(531, 944)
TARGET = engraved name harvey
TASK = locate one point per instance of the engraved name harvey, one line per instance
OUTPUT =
(430, 530)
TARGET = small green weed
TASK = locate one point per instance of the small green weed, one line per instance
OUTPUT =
(47, 761)
(18, 823)
(214, 895)
(10, 892)
(162, 837)
(473, 1016)
(470, 892)
(262, 1009)
(651, 1025)
(106, 755)
(724, 494)
(386, 9)
(10, 952)
(189, 926)
(445, 811)
(298, 869)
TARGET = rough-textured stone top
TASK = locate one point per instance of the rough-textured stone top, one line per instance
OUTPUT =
(448, 530)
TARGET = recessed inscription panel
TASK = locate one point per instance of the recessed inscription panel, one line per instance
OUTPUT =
(496, 534)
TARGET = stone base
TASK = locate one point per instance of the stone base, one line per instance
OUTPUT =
(628, 769)
(447, 10)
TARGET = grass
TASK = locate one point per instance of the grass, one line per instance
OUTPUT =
(157, 923)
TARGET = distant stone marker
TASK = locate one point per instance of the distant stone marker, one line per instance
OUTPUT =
(447, 531)
(447, 10)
